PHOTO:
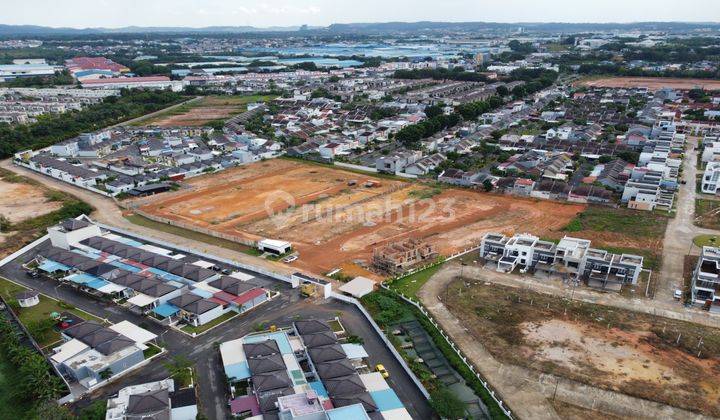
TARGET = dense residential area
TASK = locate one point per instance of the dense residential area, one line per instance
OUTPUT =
(360, 221)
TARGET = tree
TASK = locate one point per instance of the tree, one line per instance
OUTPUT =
(4, 223)
(180, 370)
(95, 411)
(487, 185)
(447, 404)
(106, 374)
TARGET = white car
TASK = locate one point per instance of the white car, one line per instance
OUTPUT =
(290, 259)
(678, 294)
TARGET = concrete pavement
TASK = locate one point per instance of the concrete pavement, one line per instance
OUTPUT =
(681, 230)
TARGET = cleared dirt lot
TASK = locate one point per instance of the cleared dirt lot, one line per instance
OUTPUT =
(20, 201)
(207, 109)
(632, 353)
(332, 217)
(652, 83)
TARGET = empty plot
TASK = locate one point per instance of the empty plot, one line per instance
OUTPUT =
(653, 83)
(334, 217)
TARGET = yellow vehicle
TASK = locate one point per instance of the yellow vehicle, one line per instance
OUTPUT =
(383, 372)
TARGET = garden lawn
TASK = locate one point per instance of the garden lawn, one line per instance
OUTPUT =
(40, 311)
(202, 328)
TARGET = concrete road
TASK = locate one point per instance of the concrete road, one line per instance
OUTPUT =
(212, 388)
(680, 231)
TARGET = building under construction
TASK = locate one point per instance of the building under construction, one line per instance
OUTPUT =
(398, 257)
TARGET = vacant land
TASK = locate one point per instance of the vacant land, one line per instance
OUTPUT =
(204, 110)
(29, 208)
(652, 83)
(663, 360)
(335, 217)
(707, 213)
(620, 230)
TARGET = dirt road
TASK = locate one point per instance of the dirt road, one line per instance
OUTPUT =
(528, 392)
(108, 212)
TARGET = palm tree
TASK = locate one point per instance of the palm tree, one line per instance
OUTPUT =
(179, 369)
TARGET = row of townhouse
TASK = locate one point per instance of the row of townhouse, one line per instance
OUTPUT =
(654, 181)
(571, 258)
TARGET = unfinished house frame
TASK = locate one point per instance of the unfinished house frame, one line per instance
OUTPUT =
(398, 257)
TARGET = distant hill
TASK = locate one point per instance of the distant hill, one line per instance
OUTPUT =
(30, 30)
(369, 28)
(539, 26)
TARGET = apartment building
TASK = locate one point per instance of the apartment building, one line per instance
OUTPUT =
(571, 258)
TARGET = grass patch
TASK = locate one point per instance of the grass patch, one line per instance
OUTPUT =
(706, 240)
(202, 328)
(707, 213)
(425, 193)
(410, 285)
(387, 308)
(39, 312)
(190, 234)
(639, 224)
(151, 351)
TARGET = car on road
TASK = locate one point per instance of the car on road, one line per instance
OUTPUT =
(380, 368)
(290, 259)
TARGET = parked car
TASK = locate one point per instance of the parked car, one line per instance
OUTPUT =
(678, 294)
(380, 368)
(290, 259)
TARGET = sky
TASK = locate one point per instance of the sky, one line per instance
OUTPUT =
(265, 13)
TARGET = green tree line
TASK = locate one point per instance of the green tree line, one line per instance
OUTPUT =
(52, 128)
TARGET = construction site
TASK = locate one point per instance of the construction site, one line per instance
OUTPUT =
(337, 219)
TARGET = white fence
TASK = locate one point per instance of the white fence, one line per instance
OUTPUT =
(385, 340)
(355, 167)
(247, 267)
(457, 351)
(85, 187)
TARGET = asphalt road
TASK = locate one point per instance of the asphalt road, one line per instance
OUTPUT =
(212, 388)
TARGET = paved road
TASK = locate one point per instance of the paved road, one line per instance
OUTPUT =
(528, 392)
(108, 212)
(213, 397)
(680, 231)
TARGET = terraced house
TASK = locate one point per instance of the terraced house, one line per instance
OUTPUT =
(571, 258)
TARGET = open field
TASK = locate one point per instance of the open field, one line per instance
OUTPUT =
(333, 218)
(633, 353)
(652, 83)
(30, 208)
(203, 111)
(620, 230)
(20, 201)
